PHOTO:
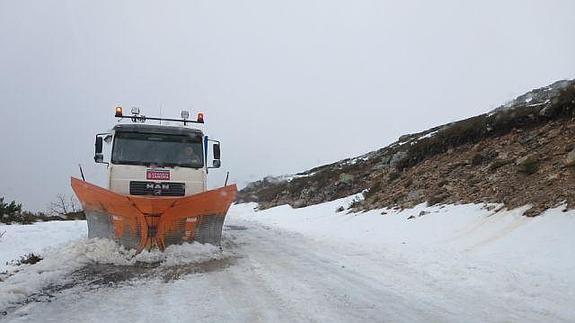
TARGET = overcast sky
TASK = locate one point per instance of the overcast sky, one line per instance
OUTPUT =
(286, 85)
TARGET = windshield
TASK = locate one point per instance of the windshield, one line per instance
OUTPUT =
(134, 148)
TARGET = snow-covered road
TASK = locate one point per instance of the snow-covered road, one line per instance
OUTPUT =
(270, 274)
(276, 276)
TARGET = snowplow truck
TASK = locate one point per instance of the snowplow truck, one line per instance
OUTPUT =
(157, 192)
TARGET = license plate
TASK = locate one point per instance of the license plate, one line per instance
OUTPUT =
(158, 175)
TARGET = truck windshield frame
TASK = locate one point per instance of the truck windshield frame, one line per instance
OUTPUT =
(158, 149)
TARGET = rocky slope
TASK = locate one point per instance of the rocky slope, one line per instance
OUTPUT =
(520, 153)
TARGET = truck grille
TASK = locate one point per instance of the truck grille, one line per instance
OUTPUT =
(157, 189)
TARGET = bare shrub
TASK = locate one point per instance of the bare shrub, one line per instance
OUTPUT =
(66, 208)
(29, 259)
(63, 205)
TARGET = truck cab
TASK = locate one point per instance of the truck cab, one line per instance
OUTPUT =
(156, 159)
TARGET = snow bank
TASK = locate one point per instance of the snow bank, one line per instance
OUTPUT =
(498, 251)
(19, 240)
(545, 241)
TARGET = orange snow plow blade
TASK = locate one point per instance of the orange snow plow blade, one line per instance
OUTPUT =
(144, 222)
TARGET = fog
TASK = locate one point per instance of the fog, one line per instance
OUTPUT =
(284, 85)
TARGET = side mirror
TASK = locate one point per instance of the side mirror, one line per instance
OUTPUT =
(217, 163)
(217, 151)
(99, 158)
(99, 144)
(98, 155)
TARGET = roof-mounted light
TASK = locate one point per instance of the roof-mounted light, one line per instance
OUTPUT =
(138, 117)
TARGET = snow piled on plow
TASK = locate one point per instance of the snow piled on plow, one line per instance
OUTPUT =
(177, 255)
(59, 262)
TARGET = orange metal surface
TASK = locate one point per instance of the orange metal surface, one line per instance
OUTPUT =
(153, 217)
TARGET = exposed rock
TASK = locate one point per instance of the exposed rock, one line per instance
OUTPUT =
(346, 178)
(437, 198)
(405, 138)
(393, 175)
(307, 193)
(386, 159)
(553, 177)
(570, 160)
(415, 194)
(542, 96)
(498, 163)
(527, 164)
(503, 155)
(397, 158)
(422, 213)
(298, 203)
(482, 158)
(527, 138)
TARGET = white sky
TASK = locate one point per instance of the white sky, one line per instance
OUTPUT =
(285, 85)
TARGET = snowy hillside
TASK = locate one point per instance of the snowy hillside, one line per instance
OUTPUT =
(527, 143)
(444, 263)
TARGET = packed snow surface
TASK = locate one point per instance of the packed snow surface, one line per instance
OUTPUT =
(458, 263)
(18, 240)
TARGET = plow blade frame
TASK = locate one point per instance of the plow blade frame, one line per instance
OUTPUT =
(144, 222)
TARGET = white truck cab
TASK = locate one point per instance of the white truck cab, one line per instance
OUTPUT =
(156, 159)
